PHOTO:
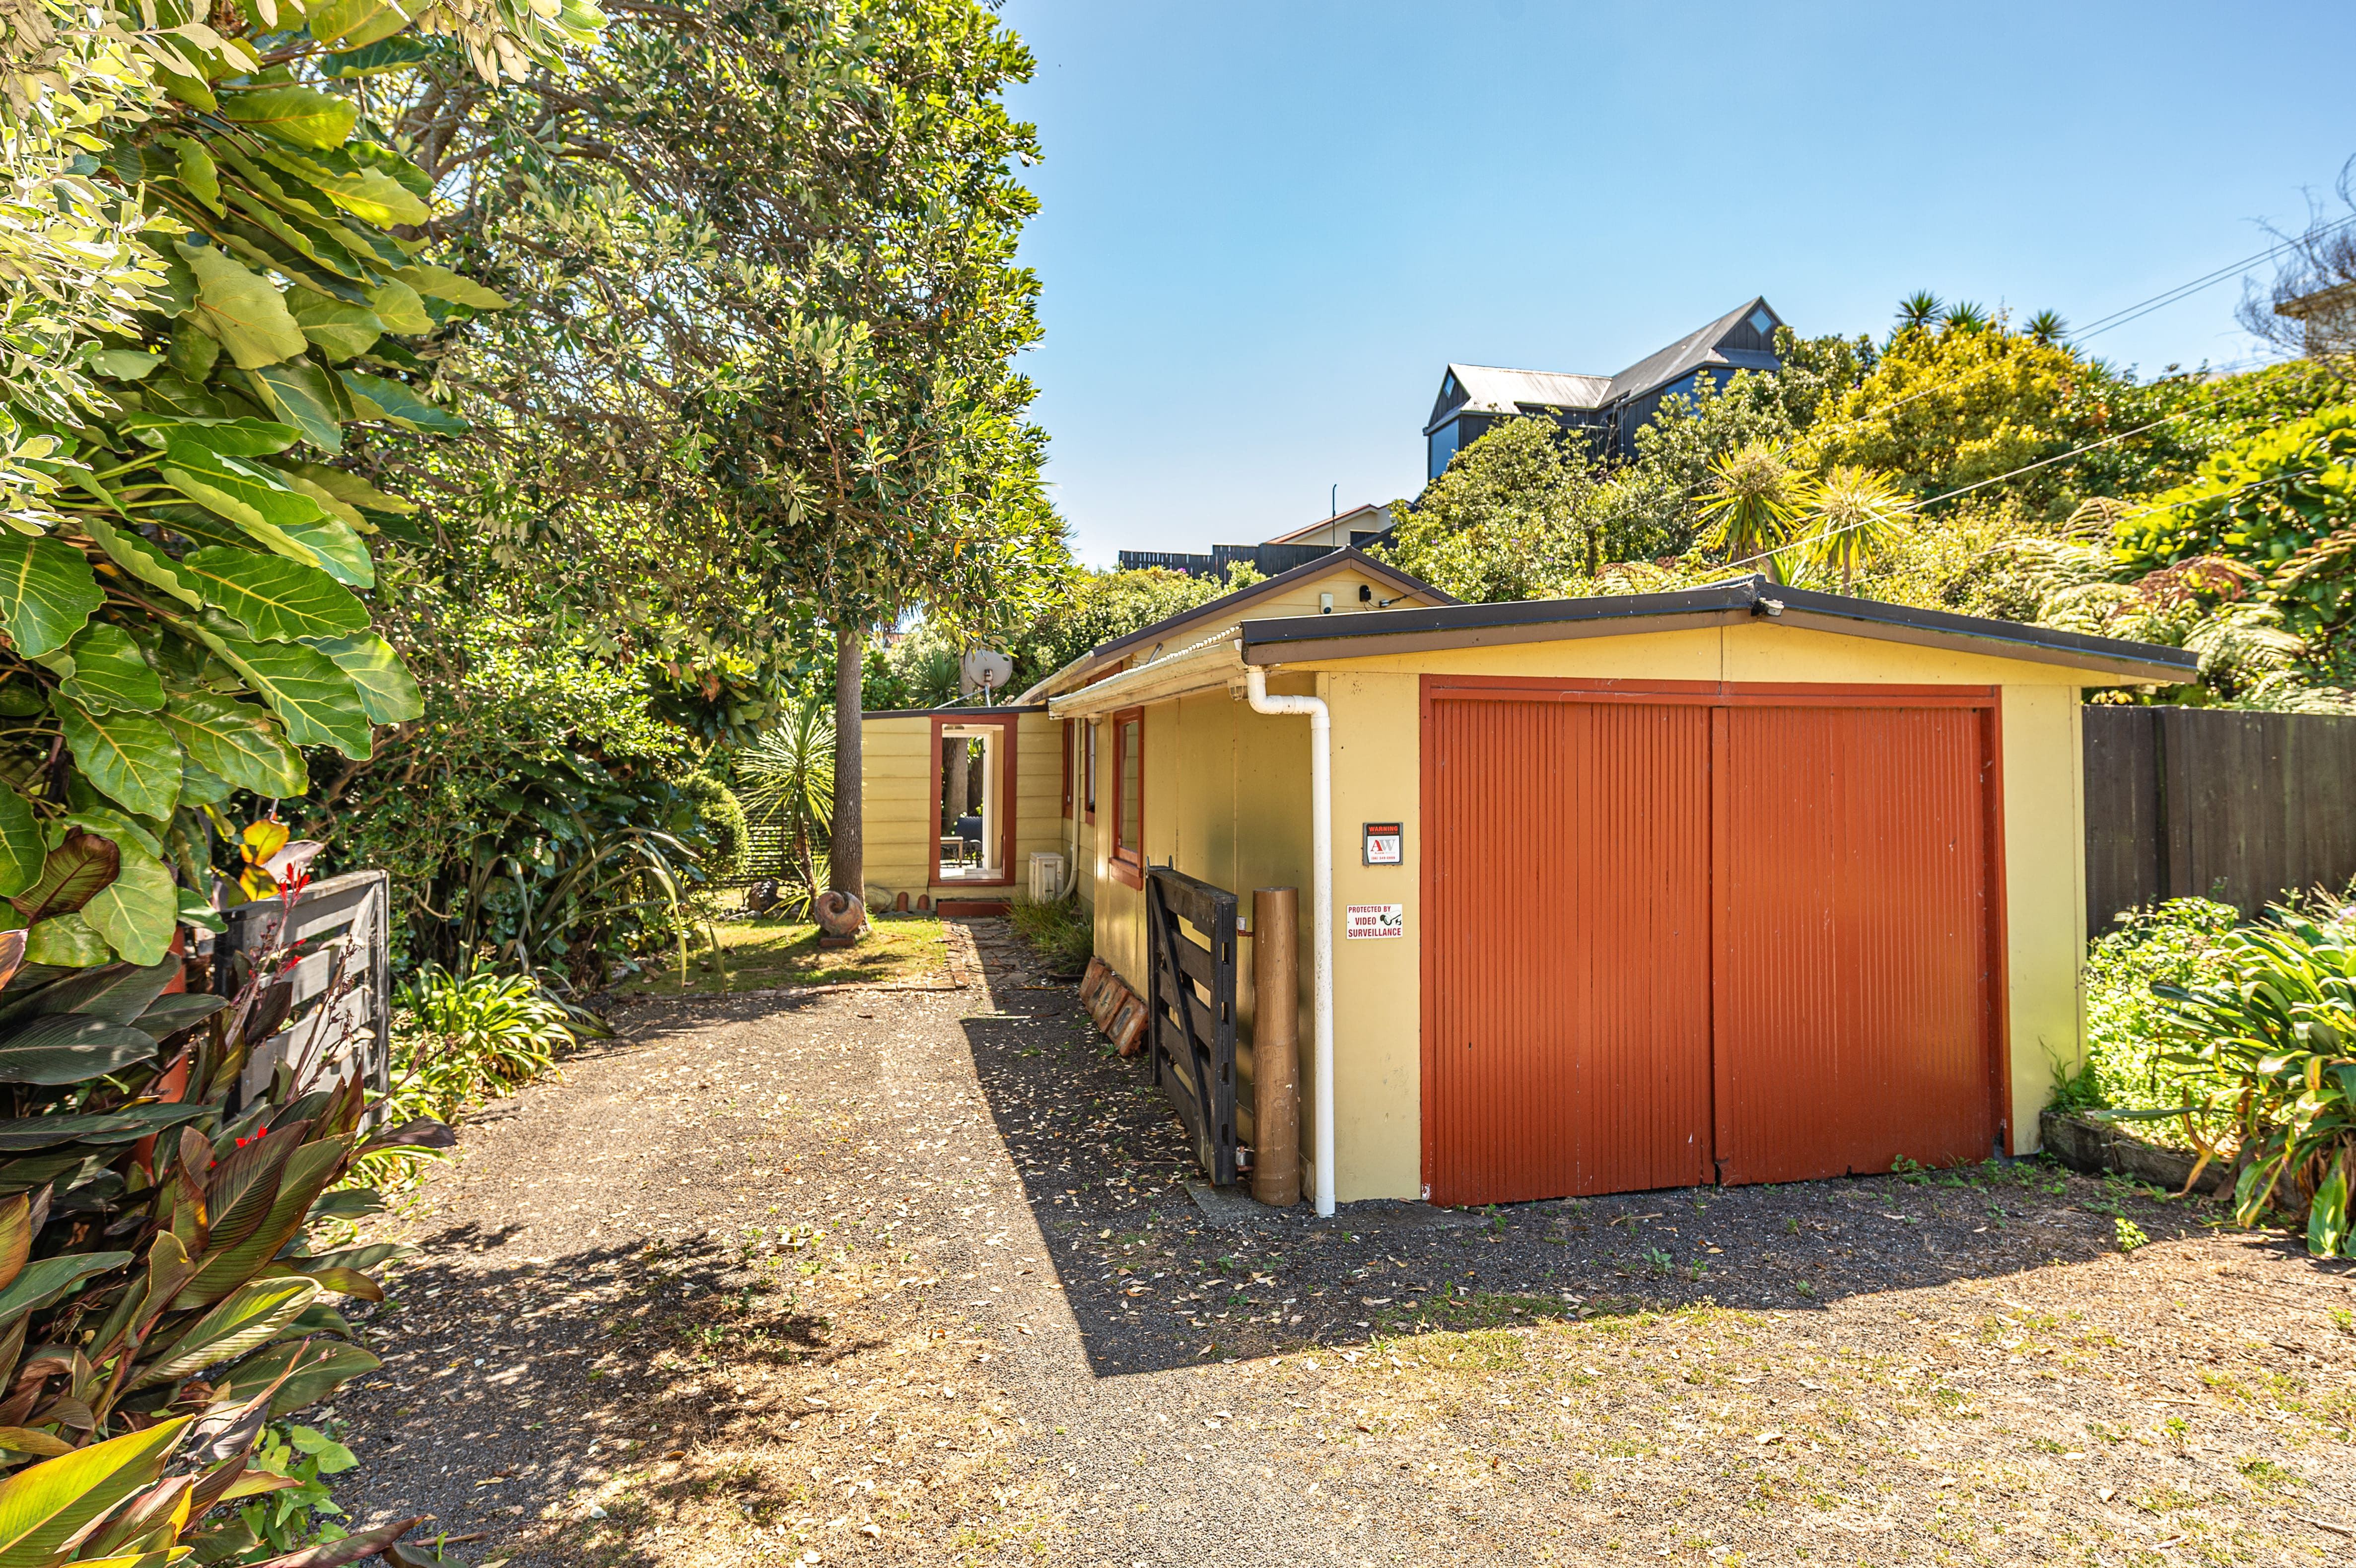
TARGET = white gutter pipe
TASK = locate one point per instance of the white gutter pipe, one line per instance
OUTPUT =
(1320, 904)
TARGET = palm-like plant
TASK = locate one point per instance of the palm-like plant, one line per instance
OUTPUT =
(1919, 311)
(789, 776)
(2047, 327)
(1850, 515)
(1748, 516)
(1965, 316)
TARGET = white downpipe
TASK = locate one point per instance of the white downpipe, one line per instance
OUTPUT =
(1320, 904)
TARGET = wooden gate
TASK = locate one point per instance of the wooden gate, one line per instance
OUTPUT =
(339, 1006)
(1686, 932)
(1190, 1009)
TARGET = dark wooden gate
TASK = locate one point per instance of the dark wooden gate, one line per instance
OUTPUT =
(339, 1009)
(1190, 1009)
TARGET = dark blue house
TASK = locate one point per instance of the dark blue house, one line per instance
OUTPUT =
(1609, 409)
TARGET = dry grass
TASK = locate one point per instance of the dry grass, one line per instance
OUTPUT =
(2031, 1418)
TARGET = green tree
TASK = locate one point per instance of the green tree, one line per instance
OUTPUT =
(2282, 502)
(180, 584)
(1846, 517)
(1513, 518)
(1748, 515)
(758, 383)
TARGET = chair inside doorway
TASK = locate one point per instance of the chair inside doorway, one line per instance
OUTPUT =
(972, 801)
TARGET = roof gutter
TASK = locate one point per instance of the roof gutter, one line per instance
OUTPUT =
(1213, 661)
(1306, 639)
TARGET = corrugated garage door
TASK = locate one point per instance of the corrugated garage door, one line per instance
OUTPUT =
(1566, 1043)
(1673, 935)
(1852, 995)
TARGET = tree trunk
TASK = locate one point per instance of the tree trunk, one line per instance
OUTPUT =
(956, 783)
(846, 861)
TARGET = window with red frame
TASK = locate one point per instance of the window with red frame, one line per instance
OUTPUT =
(1088, 767)
(1128, 795)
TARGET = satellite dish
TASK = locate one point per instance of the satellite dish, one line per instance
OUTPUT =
(986, 671)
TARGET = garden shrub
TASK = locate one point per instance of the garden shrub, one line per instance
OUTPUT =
(721, 816)
(1062, 932)
(541, 813)
(2267, 1050)
(165, 1278)
(2177, 943)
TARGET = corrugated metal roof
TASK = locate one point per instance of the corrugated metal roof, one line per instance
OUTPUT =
(1494, 390)
(1691, 352)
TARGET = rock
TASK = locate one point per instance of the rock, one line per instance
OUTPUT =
(2093, 1147)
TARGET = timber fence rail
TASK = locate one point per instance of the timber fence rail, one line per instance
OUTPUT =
(2215, 802)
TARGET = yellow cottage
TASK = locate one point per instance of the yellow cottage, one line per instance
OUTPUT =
(1733, 884)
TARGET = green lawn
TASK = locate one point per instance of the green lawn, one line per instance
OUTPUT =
(757, 955)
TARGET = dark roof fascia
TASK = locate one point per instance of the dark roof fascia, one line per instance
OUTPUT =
(963, 712)
(1690, 353)
(1297, 639)
(1347, 556)
(1729, 359)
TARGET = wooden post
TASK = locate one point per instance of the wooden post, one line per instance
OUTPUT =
(1276, 1045)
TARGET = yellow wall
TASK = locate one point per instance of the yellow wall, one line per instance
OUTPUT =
(899, 781)
(1226, 799)
(898, 800)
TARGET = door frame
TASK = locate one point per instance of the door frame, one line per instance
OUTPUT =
(1007, 725)
(1986, 699)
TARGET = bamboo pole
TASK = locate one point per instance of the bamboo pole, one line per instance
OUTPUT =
(1276, 1045)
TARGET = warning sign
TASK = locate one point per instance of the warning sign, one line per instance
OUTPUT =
(1384, 843)
(1375, 920)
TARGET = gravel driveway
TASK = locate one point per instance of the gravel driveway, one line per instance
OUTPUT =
(917, 1276)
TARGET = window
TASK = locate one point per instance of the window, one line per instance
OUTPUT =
(1128, 796)
(1443, 447)
(1088, 767)
(1070, 740)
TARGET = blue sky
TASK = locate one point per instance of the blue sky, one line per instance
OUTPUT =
(1268, 227)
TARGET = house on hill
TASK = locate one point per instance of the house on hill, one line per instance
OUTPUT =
(1608, 410)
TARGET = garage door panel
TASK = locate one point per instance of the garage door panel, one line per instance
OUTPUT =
(1852, 977)
(1566, 1040)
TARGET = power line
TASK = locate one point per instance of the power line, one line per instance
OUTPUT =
(1915, 508)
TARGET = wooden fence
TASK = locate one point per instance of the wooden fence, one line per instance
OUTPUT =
(2206, 801)
(337, 1000)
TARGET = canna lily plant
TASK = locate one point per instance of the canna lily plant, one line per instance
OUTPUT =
(2269, 1050)
(161, 1298)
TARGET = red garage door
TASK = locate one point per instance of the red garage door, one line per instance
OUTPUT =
(1672, 934)
(1566, 1043)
